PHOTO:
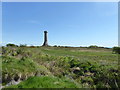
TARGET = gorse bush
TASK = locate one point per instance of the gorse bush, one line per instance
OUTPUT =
(116, 50)
(23, 45)
(11, 45)
(93, 46)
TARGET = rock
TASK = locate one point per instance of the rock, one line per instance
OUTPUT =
(23, 77)
(16, 77)
(76, 70)
(89, 74)
(12, 82)
(37, 74)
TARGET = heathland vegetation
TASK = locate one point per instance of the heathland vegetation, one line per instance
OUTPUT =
(59, 67)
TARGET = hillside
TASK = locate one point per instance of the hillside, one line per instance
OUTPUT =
(59, 67)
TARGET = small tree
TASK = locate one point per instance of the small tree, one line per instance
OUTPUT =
(116, 50)
(93, 46)
(12, 45)
(23, 45)
(55, 46)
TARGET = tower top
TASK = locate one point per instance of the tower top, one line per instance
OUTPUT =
(45, 32)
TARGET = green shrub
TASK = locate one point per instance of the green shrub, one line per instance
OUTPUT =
(23, 45)
(93, 46)
(9, 44)
(55, 46)
(116, 50)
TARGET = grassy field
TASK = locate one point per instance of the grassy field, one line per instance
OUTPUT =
(60, 67)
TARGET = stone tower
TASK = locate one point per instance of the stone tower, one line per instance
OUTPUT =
(45, 39)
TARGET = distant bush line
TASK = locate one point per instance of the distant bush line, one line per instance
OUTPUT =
(115, 50)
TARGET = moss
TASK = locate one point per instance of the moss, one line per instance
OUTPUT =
(46, 82)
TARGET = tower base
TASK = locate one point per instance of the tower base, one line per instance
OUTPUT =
(45, 44)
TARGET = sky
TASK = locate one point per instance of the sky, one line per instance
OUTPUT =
(68, 23)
